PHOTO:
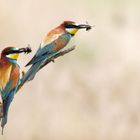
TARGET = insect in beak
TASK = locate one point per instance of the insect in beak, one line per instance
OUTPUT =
(25, 50)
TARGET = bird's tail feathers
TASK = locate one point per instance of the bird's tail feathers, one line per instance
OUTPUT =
(30, 74)
(6, 105)
(3, 123)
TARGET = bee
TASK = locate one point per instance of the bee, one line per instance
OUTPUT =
(87, 26)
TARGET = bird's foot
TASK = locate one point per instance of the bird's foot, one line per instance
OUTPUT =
(53, 60)
(23, 73)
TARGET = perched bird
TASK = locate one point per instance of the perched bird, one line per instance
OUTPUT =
(9, 79)
(53, 42)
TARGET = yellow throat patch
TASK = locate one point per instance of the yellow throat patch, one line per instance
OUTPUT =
(72, 30)
(13, 56)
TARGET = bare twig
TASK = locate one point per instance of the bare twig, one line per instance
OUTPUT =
(51, 59)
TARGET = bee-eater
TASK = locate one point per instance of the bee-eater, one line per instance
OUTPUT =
(9, 78)
(52, 43)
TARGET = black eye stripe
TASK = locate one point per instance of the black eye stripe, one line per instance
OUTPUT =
(10, 52)
(71, 26)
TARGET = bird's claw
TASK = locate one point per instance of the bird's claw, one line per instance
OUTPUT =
(23, 73)
(53, 60)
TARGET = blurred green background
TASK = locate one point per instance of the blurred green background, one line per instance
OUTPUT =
(92, 93)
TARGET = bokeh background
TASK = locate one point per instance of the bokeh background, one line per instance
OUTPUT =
(93, 93)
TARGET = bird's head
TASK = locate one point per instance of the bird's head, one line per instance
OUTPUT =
(13, 53)
(72, 27)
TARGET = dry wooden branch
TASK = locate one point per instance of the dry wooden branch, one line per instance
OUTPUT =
(51, 59)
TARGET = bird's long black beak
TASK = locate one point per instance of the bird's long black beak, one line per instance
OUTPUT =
(21, 50)
(84, 26)
(25, 50)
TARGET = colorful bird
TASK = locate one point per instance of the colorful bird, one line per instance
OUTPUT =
(9, 79)
(53, 42)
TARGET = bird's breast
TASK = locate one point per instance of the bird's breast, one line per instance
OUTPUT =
(9, 72)
(5, 72)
